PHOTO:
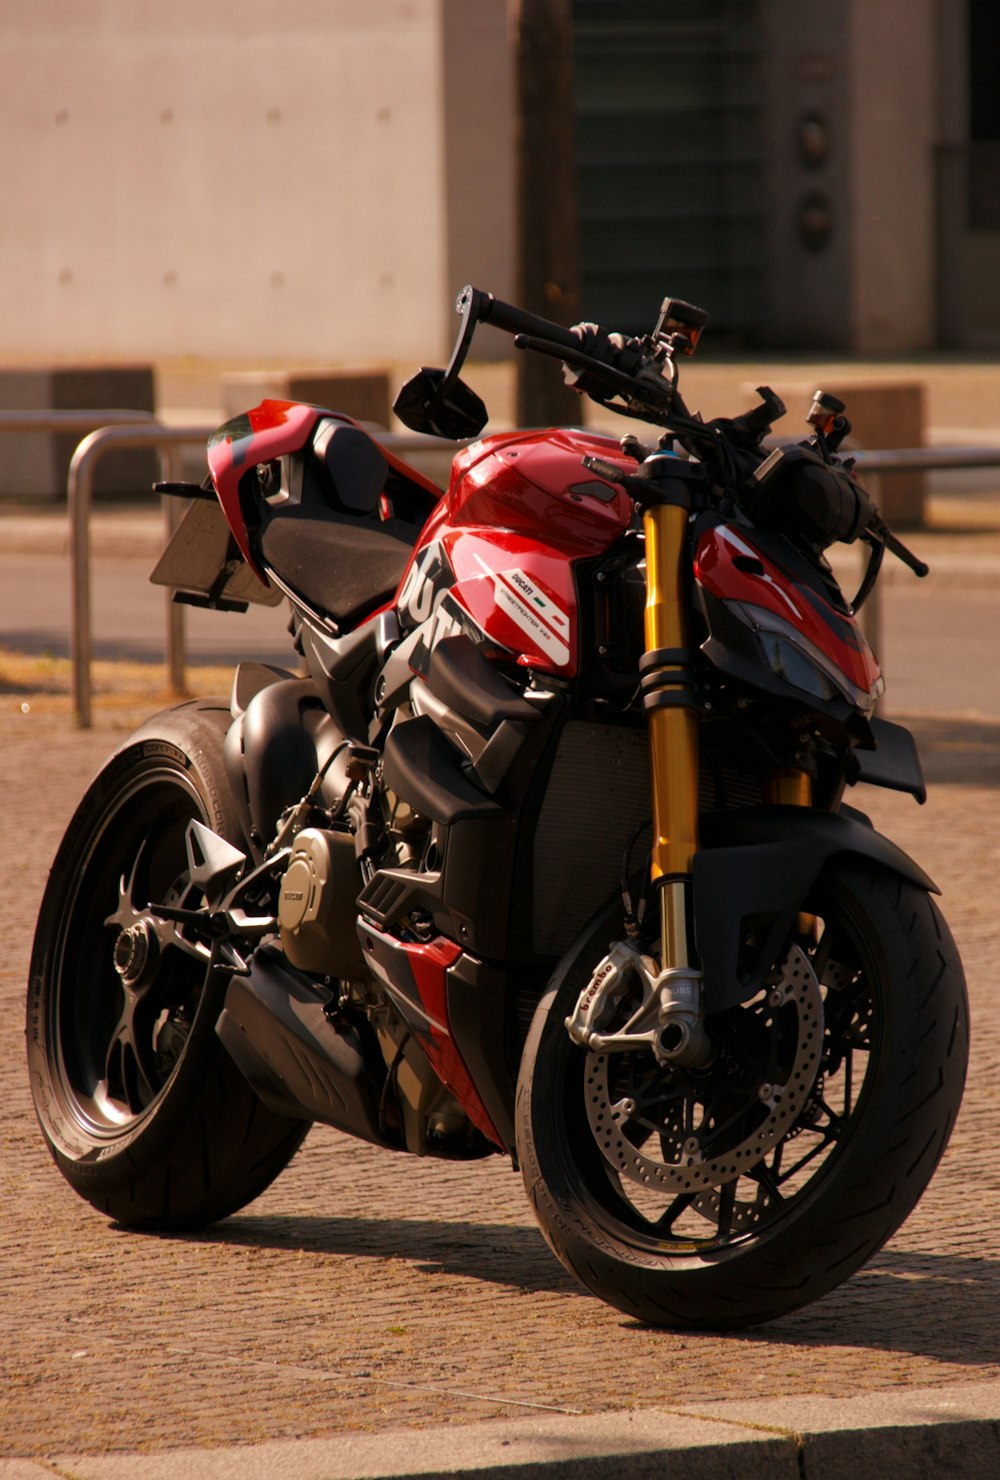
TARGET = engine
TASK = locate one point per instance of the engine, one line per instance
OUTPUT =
(316, 910)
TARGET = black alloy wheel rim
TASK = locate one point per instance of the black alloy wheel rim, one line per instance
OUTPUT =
(125, 985)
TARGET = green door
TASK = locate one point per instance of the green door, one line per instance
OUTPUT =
(668, 117)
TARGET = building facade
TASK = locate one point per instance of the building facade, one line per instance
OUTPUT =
(315, 179)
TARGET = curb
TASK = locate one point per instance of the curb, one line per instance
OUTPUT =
(953, 1430)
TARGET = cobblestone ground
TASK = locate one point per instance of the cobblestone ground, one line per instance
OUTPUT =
(366, 1291)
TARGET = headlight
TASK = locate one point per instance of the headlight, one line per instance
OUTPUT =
(799, 662)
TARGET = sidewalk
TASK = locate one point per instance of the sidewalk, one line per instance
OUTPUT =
(373, 1315)
(369, 1310)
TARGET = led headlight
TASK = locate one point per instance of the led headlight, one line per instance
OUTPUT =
(799, 662)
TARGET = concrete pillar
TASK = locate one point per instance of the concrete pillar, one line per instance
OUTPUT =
(894, 128)
(479, 142)
(808, 143)
(851, 125)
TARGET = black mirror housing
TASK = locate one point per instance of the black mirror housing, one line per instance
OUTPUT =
(440, 405)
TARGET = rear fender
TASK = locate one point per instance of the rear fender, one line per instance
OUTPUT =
(754, 872)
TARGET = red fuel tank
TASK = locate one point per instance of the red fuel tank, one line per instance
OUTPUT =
(520, 512)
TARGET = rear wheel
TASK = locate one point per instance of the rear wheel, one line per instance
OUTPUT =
(145, 1114)
(730, 1196)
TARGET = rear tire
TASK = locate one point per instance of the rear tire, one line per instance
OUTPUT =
(804, 1215)
(146, 1115)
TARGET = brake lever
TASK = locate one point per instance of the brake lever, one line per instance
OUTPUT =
(881, 531)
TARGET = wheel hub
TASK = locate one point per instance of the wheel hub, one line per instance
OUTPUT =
(135, 952)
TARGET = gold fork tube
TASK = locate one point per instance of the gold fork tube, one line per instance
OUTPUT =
(789, 788)
(792, 787)
(673, 732)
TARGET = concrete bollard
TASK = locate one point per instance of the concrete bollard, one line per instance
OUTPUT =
(36, 464)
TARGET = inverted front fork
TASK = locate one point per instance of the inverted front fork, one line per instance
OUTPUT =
(669, 1016)
(671, 705)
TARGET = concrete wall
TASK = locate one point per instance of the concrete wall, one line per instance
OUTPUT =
(314, 180)
(272, 179)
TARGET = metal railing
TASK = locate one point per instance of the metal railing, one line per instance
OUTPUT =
(79, 496)
(87, 420)
(70, 421)
(872, 465)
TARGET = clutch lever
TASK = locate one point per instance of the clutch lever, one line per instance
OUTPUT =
(875, 556)
(658, 393)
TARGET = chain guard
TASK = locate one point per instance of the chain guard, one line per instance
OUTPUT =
(688, 1171)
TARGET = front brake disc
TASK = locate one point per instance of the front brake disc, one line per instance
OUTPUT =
(625, 1130)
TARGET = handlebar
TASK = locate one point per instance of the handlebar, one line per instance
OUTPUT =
(637, 377)
(640, 384)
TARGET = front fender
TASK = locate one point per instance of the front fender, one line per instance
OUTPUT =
(753, 872)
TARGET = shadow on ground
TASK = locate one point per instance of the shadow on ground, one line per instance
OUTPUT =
(498, 1253)
(938, 1306)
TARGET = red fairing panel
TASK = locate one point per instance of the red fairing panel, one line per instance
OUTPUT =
(270, 430)
(535, 484)
(428, 965)
(730, 566)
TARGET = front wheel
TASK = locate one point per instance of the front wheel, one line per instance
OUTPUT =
(144, 1112)
(722, 1198)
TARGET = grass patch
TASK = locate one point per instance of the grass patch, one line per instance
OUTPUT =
(32, 682)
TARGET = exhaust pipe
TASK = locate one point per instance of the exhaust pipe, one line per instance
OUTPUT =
(300, 1061)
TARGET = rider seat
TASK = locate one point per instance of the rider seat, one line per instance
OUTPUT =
(343, 540)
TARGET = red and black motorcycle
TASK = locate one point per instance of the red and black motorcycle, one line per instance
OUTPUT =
(542, 849)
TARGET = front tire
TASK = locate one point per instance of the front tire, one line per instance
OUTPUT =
(779, 1229)
(144, 1112)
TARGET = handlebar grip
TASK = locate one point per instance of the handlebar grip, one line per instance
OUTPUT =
(518, 321)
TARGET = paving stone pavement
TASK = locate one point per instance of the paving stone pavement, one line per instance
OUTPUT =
(365, 1292)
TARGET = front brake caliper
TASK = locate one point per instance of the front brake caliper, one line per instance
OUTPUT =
(604, 992)
(658, 1010)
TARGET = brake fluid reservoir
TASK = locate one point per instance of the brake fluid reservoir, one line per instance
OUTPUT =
(316, 911)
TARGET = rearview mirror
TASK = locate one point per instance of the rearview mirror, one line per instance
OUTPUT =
(432, 402)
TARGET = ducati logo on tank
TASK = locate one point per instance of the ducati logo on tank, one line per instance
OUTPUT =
(534, 613)
(425, 604)
(428, 579)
